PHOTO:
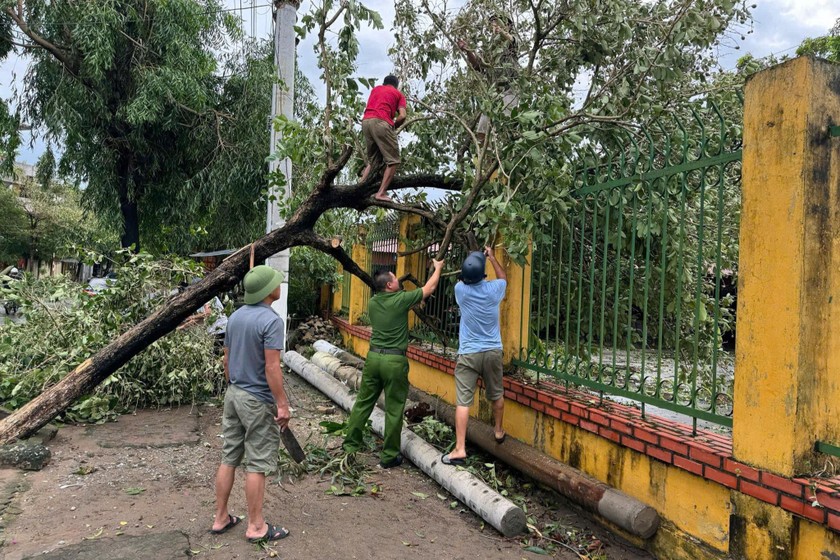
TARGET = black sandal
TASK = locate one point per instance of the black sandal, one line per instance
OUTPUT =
(271, 534)
(233, 521)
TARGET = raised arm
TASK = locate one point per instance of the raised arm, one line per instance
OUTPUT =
(474, 60)
(400, 117)
(432, 282)
(497, 268)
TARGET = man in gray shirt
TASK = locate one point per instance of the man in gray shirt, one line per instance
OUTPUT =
(256, 407)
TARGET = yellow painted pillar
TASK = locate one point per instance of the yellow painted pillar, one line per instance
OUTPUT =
(787, 387)
(326, 298)
(358, 301)
(410, 264)
(337, 294)
(515, 310)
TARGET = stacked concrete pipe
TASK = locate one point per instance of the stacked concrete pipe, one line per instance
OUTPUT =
(593, 495)
(492, 507)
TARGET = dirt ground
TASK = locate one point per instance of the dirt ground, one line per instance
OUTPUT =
(152, 472)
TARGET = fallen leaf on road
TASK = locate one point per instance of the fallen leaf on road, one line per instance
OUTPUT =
(96, 535)
(134, 491)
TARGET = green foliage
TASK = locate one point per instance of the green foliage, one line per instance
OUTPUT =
(348, 475)
(577, 71)
(64, 326)
(44, 220)
(157, 115)
(827, 46)
(308, 271)
(14, 241)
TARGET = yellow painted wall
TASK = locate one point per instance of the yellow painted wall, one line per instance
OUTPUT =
(357, 287)
(813, 541)
(337, 294)
(696, 512)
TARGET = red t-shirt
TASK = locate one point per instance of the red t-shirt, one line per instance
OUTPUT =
(383, 103)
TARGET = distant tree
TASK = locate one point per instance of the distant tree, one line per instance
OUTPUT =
(46, 221)
(13, 238)
(134, 94)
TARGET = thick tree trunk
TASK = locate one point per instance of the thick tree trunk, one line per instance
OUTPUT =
(130, 237)
(297, 231)
(131, 225)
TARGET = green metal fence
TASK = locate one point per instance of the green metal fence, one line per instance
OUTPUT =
(382, 241)
(441, 306)
(345, 292)
(633, 287)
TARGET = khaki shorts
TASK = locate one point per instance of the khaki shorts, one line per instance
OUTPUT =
(249, 429)
(381, 143)
(488, 365)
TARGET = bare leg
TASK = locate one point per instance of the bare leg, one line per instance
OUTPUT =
(365, 174)
(254, 495)
(462, 417)
(390, 171)
(224, 483)
(499, 416)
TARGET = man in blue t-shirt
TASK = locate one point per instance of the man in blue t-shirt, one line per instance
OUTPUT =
(256, 407)
(480, 349)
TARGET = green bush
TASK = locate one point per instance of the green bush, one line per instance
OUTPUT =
(63, 326)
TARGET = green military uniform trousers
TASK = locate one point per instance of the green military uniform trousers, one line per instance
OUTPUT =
(382, 371)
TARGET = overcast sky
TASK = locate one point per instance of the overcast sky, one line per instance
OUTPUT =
(778, 28)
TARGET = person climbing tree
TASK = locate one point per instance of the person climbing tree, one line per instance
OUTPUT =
(384, 113)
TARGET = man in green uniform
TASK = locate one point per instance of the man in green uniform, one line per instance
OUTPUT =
(386, 366)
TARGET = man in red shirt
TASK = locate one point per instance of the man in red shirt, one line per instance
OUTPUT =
(379, 128)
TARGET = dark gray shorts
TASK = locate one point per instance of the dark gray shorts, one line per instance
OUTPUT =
(488, 365)
(381, 143)
(249, 429)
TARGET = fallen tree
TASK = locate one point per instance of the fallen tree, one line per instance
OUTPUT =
(298, 231)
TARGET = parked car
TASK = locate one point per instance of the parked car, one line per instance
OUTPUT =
(96, 285)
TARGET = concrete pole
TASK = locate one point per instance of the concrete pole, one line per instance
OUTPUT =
(282, 103)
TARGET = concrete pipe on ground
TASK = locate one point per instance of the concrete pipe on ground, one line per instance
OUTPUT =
(492, 507)
(593, 495)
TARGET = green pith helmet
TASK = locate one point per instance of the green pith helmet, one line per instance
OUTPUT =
(259, 282)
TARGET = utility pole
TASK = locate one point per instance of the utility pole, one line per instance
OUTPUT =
(282, 103)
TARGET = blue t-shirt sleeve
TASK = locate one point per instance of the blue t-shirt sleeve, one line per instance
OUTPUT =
(273, 335)
(498, 289)
(459, 292)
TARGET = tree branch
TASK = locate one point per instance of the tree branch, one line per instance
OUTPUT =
(322, 244)
(60, 55)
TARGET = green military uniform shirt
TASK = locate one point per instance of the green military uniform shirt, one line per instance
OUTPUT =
(388, 312)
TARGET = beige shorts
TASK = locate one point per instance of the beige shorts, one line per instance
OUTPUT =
(381, 143)
(469, 367)
(249, 429)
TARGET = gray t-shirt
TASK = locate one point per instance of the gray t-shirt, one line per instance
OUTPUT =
(250, 330)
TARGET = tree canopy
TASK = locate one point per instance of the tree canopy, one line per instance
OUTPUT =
(154, 110)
